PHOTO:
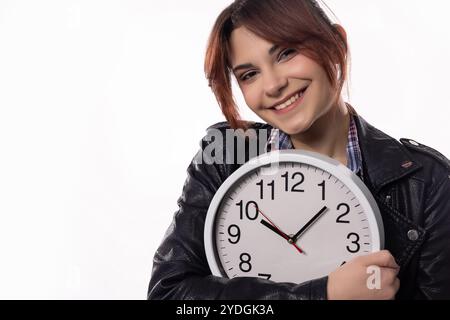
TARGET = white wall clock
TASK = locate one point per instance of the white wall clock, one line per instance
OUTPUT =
(290, 216)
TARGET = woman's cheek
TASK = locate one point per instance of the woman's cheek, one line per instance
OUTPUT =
(299, 65)
(251, 99)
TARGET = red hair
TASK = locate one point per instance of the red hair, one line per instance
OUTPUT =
(300, 24)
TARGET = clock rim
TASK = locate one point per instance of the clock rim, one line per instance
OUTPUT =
(328, 164)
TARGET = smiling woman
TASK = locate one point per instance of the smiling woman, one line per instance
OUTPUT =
(291, 92)
(290, 63)
(292, 25)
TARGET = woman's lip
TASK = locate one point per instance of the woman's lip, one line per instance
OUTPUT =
(292, 106)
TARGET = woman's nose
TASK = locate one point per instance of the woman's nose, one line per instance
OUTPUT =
(274, 84)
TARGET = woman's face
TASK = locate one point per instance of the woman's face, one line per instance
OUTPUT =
(268, 76)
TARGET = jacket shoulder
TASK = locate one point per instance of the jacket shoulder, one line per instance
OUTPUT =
(252, 125)
(426, 152)
(219, 125)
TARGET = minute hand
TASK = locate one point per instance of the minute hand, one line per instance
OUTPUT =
(310, 222)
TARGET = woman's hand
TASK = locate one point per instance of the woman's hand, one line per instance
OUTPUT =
(351, 281)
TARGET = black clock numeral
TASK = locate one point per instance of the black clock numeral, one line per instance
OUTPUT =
(347, 210)
(295, 186)
(265, 275)
(236, 234)
(261, 189)
(356, 242)
(298, 183)
(245, 264)
(323, 189)
(251, 210)
(343, 262)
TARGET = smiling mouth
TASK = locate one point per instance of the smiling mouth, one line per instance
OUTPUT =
(294, 101)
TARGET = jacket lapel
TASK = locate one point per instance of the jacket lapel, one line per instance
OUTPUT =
(385, 161)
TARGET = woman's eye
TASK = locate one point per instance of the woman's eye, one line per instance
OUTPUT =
(283, 55)
(247, 76)
(286, 53)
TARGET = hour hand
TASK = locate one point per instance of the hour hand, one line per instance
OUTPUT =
(274, 229)
(277, 230)
(282, 234)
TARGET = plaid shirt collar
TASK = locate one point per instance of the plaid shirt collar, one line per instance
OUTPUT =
(354, 159)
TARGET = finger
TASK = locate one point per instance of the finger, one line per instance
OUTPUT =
(394, 289)
(388, 276)
(381, 258)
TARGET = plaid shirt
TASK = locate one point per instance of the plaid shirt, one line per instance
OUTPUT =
(354, 159)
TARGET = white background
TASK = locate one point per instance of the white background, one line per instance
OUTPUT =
(102, 107)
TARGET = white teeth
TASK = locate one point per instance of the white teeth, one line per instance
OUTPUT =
(289, 102)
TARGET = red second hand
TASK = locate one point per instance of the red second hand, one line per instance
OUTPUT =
(284, 234)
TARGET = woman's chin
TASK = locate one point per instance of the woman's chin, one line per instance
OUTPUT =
(298, 128)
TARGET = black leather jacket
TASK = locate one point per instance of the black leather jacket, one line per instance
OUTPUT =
(410, 182)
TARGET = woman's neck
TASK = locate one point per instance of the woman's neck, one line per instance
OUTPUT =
(328, 135)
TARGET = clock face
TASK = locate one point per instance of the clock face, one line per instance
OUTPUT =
(298, 221)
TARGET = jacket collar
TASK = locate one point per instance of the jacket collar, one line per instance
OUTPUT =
(385, 160)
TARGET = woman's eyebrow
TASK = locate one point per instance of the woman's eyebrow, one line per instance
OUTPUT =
(249, 65)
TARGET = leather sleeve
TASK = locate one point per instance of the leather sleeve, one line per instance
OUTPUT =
(180, 268)
(433, 280)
